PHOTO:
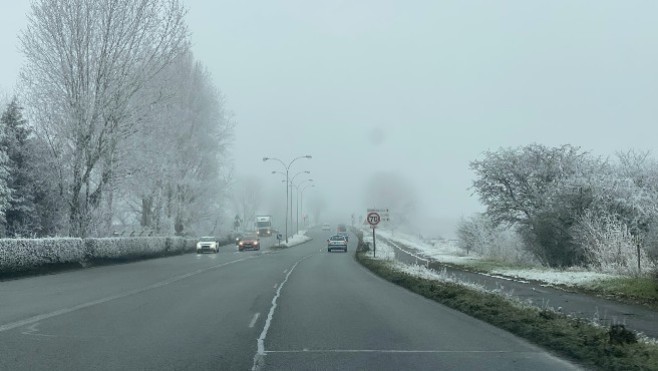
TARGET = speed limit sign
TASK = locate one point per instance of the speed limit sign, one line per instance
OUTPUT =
(373, 219)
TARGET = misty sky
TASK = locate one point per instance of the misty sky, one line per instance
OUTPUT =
(416, 88)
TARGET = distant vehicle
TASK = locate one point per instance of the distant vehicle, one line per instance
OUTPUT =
(341, 228)
(345, 234)
(207, 243)
(249, 241)
(264, 225)
(337, 242)
(237, 237)
(326, 227)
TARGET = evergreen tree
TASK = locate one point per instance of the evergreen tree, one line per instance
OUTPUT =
(15, 143)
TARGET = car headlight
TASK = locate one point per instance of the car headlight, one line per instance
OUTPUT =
(256, 243)
(241, 243)
(198, 245)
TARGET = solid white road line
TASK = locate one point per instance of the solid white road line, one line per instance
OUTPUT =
(253, 320)
(41, 317)
(393, 351)
(258, 357)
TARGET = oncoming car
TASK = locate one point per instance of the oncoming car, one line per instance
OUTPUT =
(207, 243)
(249, 241)
(337, 242)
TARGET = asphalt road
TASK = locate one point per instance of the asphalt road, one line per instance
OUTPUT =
(294, 309)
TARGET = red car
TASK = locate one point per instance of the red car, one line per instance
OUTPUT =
(249, 241)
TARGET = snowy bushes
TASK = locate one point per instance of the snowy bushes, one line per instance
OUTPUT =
(480, 235)
(24, 254)
(18, 255)
(134, 247)
(569, 207)
(609, 245)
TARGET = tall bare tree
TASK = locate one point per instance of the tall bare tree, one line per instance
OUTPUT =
(180, 189)
(85, 62)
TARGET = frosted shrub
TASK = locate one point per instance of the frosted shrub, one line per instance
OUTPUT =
(480, 235)
(24, 254)
(125, 248)
(609, 245)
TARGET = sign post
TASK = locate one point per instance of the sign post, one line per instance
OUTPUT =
(373, 219)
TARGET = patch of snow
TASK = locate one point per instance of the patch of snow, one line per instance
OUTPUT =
(555, 277)
(445, 251)
(384, 250)
(423, 272)
(296, 239)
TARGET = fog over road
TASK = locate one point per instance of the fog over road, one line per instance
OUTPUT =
(297, 308)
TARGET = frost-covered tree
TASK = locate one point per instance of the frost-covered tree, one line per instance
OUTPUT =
(247, 196)
(520, 186)
(5, 191)
(85, 63)
(183, 188)
(17, 144)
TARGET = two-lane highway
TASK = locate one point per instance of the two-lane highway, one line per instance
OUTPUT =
(297, 308)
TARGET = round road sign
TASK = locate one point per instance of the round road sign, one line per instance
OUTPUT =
(373, 219)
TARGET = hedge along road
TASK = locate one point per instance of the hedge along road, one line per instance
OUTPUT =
(294, 308)
(636, 317)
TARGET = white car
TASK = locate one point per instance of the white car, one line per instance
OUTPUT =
(337, 242)
(207, 243)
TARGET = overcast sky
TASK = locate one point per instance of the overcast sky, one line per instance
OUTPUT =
(417, 88)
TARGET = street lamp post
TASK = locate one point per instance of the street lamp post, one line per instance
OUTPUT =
(287, 167)
(292, 184)
(300, 197)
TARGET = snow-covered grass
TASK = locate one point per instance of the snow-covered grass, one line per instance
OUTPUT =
(448, 252)
(423, 272)
(297, 239)
(443, 250)
(570, 277)
(384, 250)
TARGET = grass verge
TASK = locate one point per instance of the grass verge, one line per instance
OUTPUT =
(578, 340)
(638, 290)
(630, 290)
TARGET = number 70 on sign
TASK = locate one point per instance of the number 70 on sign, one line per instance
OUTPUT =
(373, 218)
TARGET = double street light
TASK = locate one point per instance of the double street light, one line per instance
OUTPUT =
(300, 197)
(291, 184)
(287, 168)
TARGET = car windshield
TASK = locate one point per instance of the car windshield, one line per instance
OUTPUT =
(213, 184)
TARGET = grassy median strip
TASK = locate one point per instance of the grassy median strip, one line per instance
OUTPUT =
(611, 348)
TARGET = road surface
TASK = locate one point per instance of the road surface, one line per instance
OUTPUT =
(299, 308)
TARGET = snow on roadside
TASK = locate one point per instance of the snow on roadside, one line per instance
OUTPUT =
(423, 272)
(384, 250)
(443, 251)
(296, 239)
(555, 277)
(449, 252)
